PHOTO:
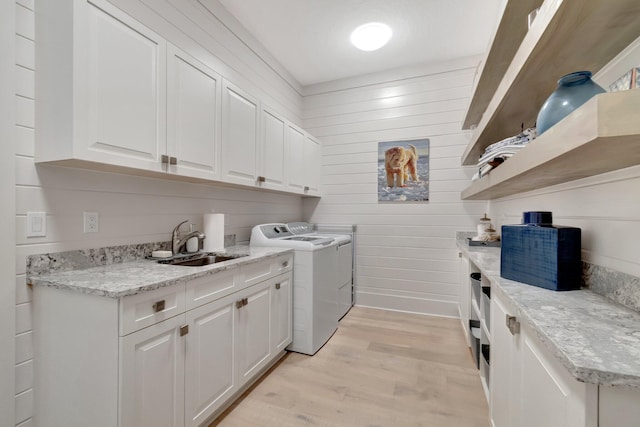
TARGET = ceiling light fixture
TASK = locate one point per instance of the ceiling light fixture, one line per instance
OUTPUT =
(371, 36)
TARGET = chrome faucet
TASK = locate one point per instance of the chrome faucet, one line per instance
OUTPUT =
(178, 241)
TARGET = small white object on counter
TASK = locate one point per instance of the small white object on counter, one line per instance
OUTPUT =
(161, 254)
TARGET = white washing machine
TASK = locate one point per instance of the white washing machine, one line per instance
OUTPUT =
(315, 295)
(344, 235)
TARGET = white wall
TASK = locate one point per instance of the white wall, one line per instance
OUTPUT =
(406, 254)
(132, 209)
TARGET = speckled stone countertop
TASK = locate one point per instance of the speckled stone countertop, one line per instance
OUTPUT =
(595, 338)
(117, 280)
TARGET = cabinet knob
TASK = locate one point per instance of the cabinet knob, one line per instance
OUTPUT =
(164, 159)
(239, 303)
(245, 301)
(173, 161)
(306, 188)
(285, 264)
(277, 285)
(158, 306)
(184, 330)
(262, 179)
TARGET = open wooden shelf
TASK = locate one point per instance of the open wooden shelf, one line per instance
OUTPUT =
(602, 135)
(507, 39)
(566, 36)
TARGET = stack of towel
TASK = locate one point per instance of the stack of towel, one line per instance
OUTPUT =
(497, 153)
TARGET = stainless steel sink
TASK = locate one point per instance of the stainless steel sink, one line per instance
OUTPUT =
(199, 260)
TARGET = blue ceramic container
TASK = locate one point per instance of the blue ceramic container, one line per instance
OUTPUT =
(573, 90)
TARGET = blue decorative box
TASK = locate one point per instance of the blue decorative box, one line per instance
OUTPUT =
(547, 257)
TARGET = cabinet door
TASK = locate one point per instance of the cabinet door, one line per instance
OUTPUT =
(254, 330)
(505, 368)
(239, 135)
(550, 396)
(152, 376)
(126, 90)
(273, 150)
(465, 300)
(193, 116)
(281, 310)
(295, 159)
(312, 161)
(211, 359)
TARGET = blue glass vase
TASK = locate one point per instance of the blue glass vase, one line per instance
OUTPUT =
(574, 89)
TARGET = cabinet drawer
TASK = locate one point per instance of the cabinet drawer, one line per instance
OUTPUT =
(209, 288)
(148, 308)
(251, 274)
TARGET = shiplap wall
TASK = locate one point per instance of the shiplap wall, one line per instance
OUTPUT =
(132, 209)
(406, 257)
(7, 214)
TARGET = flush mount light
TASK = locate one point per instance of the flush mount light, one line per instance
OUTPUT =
(371, 36)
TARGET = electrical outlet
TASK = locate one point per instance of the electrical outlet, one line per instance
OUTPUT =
(91, 222)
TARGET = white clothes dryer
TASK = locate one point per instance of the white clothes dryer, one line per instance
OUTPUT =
(315, 295)
(344, 235)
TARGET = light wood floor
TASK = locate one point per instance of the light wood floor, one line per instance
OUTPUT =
(380, 368)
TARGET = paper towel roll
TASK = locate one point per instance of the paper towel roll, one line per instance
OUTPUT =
(214, 232)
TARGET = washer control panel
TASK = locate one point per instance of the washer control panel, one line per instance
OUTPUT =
(275, 231)
(300, 227)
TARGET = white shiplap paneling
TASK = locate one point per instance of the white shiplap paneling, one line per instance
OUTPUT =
(406, 255)
(8, 350)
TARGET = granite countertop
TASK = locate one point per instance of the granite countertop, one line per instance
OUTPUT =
(117, 280)
(595, 338)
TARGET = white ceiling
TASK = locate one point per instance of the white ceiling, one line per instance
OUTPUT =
(310, 38)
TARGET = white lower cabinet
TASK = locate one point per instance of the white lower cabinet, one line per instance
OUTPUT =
(282, 313)
(505, 367)
(211, 359)
(529, 387)
(254, 331)
(171, 357)
(152, 376)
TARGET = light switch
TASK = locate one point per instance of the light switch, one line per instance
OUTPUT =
(36, 224)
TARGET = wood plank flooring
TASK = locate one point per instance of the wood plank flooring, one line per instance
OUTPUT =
(380, 369)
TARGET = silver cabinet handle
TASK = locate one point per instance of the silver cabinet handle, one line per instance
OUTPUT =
(513, 324)
(158, 306)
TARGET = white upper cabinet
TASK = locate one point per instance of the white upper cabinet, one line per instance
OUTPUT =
(101, 86)
(303, 162)
(193, 116)
(312, 160)
(295, 159)
(114, 95)
(239, 135)
(272, 158)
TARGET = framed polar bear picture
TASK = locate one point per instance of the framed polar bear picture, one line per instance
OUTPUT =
(403, 171)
